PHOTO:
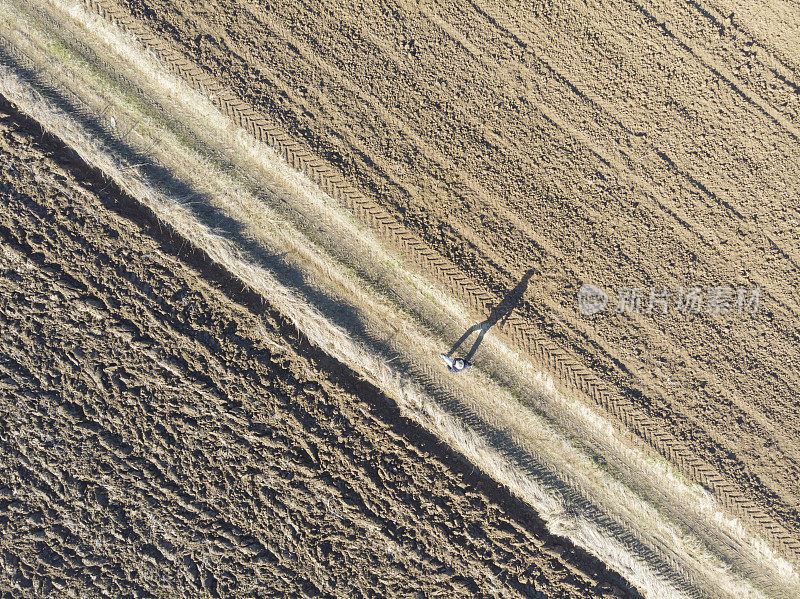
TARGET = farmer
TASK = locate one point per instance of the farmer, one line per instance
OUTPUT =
(455, 365)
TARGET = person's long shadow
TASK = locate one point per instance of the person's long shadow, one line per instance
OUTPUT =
(498, 315)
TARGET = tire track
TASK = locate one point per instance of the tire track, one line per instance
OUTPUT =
(657, 554)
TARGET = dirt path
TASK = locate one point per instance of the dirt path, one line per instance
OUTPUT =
(604, 143)
(170, 442)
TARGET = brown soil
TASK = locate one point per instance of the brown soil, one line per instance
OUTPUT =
(604, 143)
(166, 435)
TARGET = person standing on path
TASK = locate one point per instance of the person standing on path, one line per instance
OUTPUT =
(456, 365)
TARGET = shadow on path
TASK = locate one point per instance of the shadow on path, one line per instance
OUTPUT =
(499, 314)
